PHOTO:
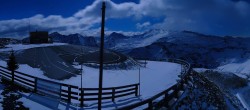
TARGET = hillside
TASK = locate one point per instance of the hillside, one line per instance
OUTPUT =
(201, 50)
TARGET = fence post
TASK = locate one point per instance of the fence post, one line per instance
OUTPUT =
(12, 78)
(136, 90)
(150, 105)
(69, 93)
(166, 99)
(166, 96)
(82, 98)
(113, 94)
(35, 86)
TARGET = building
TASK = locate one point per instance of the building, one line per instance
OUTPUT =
(39, 37)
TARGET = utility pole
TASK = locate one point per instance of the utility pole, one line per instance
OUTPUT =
(81, 76)
(139, 81)
(101, 58)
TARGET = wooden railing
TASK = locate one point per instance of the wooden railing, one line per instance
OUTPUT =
(90, 94)
(71, 93)
(66, 92)
(171, 94)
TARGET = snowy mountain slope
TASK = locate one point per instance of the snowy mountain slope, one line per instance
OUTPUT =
(201, 50)
(119, 41)
(76, 39)
(241, 69)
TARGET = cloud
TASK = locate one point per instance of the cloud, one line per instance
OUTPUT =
(144, 25)
(219, 17)
(79, 22)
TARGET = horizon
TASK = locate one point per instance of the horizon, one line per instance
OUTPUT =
(219, 18)
(97, 34)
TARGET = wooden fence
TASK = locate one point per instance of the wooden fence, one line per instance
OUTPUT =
(169, 95)
(66, 92)
(71, 93)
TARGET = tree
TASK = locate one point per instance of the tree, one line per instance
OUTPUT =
(12, 64)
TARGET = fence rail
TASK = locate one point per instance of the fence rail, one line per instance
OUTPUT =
(66, 92)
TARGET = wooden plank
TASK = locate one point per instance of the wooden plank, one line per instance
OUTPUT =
(65, 91)
(64, 99)
(5, 71)
(24, 82)
(67, 85)
(3, 67)
(121, 95)
(110, 88)
(16, 76)
(25, 74)
(126, 86)
(74, 97)
(5, 74)
(92, 99)
(96, 89)
(92, 94)
(64, 95)
(72, 92)
(126, 90)
(89, 99)
(21, 85)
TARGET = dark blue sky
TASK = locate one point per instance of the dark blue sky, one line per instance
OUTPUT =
(215, 17)
(17, 9)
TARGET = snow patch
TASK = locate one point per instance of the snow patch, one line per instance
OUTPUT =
(28, 46)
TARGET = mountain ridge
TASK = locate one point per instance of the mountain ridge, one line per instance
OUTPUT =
(202, 50)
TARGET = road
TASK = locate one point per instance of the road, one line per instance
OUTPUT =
(56, 61)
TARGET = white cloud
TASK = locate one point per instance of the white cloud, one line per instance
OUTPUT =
(81, 21)
(143, 25)
(206, 16)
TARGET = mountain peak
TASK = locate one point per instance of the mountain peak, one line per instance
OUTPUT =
(115, 34)
(55, 33)
(76, 35)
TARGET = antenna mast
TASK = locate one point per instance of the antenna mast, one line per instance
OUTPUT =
(101, 57)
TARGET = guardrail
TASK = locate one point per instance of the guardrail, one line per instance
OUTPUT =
(66, 92)
(171, 94)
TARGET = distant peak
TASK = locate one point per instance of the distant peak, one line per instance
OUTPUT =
(76, 35)
(55, 33)
(115, 33)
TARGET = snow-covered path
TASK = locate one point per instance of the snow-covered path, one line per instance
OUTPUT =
(242, 100)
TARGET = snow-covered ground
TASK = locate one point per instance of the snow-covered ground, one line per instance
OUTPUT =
(240, 69)
(236, 67)
(26, 102)
(23, 46)
(157, 76)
